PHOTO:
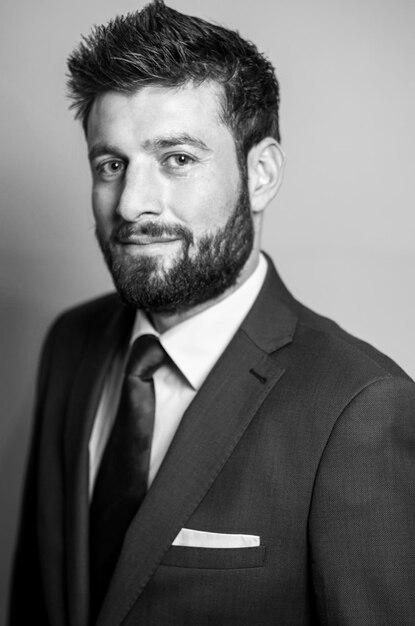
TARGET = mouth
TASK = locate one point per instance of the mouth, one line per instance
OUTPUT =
(145, 240)
(148, 246)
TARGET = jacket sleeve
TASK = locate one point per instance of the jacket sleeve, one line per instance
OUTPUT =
(26, 602)
(362, 520)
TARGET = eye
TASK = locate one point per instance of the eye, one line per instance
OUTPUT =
(178, 161)
(108, 170)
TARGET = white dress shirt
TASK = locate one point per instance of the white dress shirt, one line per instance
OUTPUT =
(194, 346)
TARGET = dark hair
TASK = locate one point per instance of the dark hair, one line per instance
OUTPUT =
(160, 46)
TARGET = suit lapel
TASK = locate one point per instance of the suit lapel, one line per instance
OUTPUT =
(105, 338)
(210, 429)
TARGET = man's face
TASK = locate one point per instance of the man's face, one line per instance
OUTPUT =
(172, 213)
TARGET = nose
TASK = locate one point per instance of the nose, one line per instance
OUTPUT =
(140, 195)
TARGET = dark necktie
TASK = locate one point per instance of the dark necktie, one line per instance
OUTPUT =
(121, 482)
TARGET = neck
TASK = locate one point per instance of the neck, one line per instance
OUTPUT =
(164, 321)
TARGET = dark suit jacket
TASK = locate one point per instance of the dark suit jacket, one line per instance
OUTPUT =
(301, 434)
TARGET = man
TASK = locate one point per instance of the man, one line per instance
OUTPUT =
(268, 476)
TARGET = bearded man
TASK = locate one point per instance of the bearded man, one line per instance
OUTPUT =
(206, 450)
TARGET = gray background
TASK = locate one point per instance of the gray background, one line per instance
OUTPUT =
(341, 230)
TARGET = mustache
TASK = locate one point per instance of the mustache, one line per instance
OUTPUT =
(124, 232)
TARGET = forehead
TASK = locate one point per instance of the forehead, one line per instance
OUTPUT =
(191, 109)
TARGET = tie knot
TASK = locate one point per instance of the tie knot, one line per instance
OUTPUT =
(146, 356)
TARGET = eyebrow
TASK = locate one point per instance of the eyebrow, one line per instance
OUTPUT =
(175, 140)
(101, 148)
(157, 143)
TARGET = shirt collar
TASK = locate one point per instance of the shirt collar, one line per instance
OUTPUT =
(196, 343)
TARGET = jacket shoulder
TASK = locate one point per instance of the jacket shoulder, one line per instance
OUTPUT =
(109, 302)
(70, 331)
(90, 313)
(340, 347)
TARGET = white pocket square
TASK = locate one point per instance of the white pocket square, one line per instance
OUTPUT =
(201, 539)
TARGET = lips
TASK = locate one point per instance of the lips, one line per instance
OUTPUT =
(150, 234)
(144, 240)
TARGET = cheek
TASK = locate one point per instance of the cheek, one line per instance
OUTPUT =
(206, 207)
(104, 203)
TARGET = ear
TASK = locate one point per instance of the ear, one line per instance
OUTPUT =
(265, 165)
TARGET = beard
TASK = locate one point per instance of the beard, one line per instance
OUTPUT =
(191, 279)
